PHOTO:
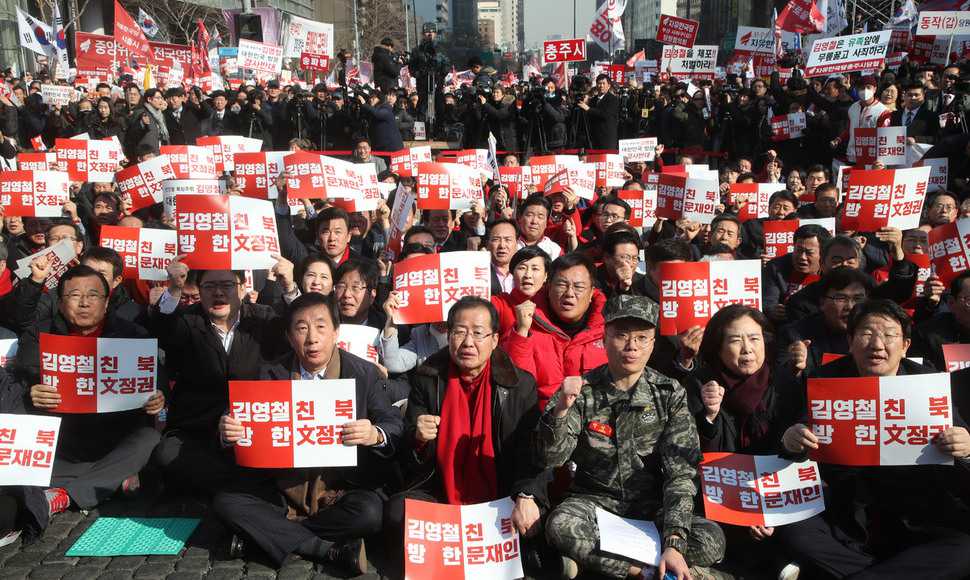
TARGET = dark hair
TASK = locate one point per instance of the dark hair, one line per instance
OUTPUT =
(613, 200)
(107, 255)
(498, 222)
(667, 250)
(825, 188)
(414, 248)
(727, 217)
(842, 278)
(956, 285)
(717, 248)
(747, 176)
(603, 77)
(469, 303)
(816, 169)
(812, 231)
(613, 239)
(785, 195)
(535, 199)
(67, 223)
(629, 182)
(309, 300)
(527, 253)
(81, 271)
(239, 275)
(414, 230)
(572, 260)
(842, 242)
(330, 214)
(880, 307)
(367, 270)
(914, 85)
(311, 259)
(111, 197)
(710, 350)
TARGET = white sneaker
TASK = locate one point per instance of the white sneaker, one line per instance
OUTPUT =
(10, 538)
(790, 572)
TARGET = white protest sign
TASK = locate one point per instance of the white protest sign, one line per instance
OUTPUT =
(27, 445)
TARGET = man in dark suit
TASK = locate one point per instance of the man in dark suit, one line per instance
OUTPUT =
(922, 125)
(221, 120)
(183, 118)
(387, 66)
(602, 112)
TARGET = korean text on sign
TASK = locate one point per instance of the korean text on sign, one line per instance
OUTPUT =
(142, 183)
(677, 31)
(146, 252)
(33, 193)
(843, 54)
(884, 197)
(221, 231)
(880, 420)
(429, 285)
(681, 196)
(461, 541)
(99, 375)
(569, 50)
(27, 445)
(294, 423)
(948, 249)
(692, 292)
(448, 186)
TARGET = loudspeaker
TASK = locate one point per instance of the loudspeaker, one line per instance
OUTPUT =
(249, 27)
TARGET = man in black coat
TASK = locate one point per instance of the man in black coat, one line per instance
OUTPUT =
(602, 113)
(220, 120)
(922, 125)
(335, 506)
(387, 66)
(209, 343)
(951, 327)
(382, 124)
(500, 118)
(182, 117)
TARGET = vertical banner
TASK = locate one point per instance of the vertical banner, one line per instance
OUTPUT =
(430, 284)
(146, 252)
(400, 217)
(99, 375)
(880, 420)
(294, 423)
(27, 445)
(221, 232)
(461, 542)
(692, 292)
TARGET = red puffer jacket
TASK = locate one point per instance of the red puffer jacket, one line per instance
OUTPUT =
(550, 354)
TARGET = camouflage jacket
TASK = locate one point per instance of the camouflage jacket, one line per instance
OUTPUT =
(637, 448)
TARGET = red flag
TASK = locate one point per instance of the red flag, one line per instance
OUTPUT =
(802, 16)
(639, 55)
(200, 52)
(129, 35)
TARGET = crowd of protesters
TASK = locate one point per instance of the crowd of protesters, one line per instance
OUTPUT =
(558, 391)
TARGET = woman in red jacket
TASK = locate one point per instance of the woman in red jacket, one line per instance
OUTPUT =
(529, 267)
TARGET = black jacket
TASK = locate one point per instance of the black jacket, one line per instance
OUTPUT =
(384, 134)
(500, 120)
(386, 69)
(187, 128)
(899, 288)
(925, 126)
(930, 336)
(603, 117)
(514, 417)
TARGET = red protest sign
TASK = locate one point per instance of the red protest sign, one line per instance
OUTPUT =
(401, 213)
(146, 252)
(762, 490)
(191, 161)
(128, 33)
(294, 423)
(97, 54)
(780, 234)
(448, 186)
(682, 197)
(87, 159)
(304, 175)
(878, 198)
(142, 183)
(460, 542)
(957, 356)
(518, 180)
(886, 144)
(314, 61)
(610, 171)
(258, 174)
(33, 193)
(543, 167)
(431, 284)
(752, 198)
(569, 50)
(880, 420)
(221, 232)
(948, 249)
(359, 340)
(579, 178)
(692, 292)
(27, 444)
(677, 31)
(790, 126)
(404, 161)
(225, 147)
(37, 161)
(476, 159)
(643, 206)
(99, 375)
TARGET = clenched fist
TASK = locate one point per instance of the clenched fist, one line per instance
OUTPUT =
(798, 353)
(524, 313)
(427, 428)
(571, 386)
(712, 394)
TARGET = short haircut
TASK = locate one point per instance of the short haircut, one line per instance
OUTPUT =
(470, 303)
(81, 271)
(367, 269)
(64, 223)
(842, 242)
(812, 231)
(710, 350)
(239, 275)
(527, 253)
(613, 239)
(603, 77)
(415, 230)
(107, 255)
(413, 248)
(818, 168)
(826, 188)
(716, 249)
(150, 93)
(535, 199)
(783, 194)
(914, 85)
(726, 217)
(309, 300)
(930, 201)
(842, 278)
(956, 285)
(613, 200)
(880, 307)
(747, 177)
(667, 250)
(572, 260)
(330, 214)
(498, 222)
(305, 264)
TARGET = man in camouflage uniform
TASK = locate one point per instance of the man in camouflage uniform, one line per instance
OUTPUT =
(636, 450)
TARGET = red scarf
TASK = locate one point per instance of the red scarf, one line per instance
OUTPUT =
(744, 397)
(466, 456)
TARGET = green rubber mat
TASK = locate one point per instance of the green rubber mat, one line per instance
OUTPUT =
(134, 537)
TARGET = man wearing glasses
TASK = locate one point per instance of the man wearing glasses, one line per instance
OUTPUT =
(355, 290)
(209, 343)
(97, 454)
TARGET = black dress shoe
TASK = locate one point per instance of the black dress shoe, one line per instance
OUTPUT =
(237, 548)
(349, 556)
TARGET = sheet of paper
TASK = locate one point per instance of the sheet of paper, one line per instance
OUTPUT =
(638, 540)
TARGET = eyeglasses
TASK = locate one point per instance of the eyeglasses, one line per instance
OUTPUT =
(225, 286)
(459, 335)
(638, 340)
(355, 289)
(89, 297)
(866, 336)
(562, 287)
(610, 217)
(626, 259)
(843, 299)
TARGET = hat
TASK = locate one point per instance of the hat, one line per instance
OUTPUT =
(869, 80)
(630, 306)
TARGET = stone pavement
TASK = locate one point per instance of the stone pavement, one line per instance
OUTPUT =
(205, 555)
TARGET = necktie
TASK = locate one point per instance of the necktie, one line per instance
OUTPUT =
(909, 117)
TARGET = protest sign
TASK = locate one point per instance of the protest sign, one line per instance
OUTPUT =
(353, 186)
(643, 206)
(880, 420)
(638, 540)
(939, 173)
(579, 178)
(222, 232)
(692, 292)
(146, 252)
(359, 340)
(88, 160)
(642, 149)
(57, 95)
(461, 542)
(304, 172)
(225, 147)
(99, 375)
(258, 174)
(172, 188)
(864, 52)
(403, 161)
(762, 490)
(752, 198)
(30, 193)
(448, 186)
(948, 249)
(609, 170)
(956, 356)
(475, 158)
(682, 197)
(27, 445)
(698, 62)
(37, 161)
(944, 23)
(790, 126)
(430, 284)
(677, 31)
(751, 40)
(569, 50)
(302, 35)
(62, 254)
(878, 198)
(886, 144)
(780, 234)
(517, 180)
(191, 161)
(142, 183)
(401, 215)
(314, 61)
(543, 167)
(260, 57)
(294, 423)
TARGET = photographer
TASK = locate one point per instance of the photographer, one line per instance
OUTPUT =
(547, 112)
(428, 66)
(255, 119)
(387, 66)
(602, 111)
(382, 125)
(303, 116)
(500, 118)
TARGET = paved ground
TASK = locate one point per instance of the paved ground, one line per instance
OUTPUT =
(204, 557)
